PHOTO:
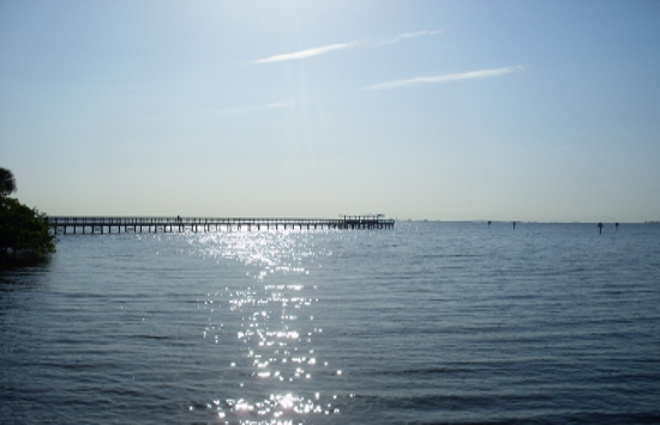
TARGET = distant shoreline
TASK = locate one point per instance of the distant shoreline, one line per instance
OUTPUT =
(612, 223)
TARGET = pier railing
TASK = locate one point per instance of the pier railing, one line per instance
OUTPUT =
(102, 225)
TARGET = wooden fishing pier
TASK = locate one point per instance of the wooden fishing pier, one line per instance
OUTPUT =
(103, 225)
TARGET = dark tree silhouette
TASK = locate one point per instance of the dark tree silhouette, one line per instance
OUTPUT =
(7, 182)
(24, 233)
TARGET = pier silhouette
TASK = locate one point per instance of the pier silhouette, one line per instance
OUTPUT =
(104, 225)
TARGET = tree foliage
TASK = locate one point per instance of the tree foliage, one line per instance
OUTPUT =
(7, 182)
(24, 233)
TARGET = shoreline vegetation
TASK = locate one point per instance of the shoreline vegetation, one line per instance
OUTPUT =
(24, 235)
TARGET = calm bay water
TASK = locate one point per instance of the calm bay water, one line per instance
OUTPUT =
(427, 323)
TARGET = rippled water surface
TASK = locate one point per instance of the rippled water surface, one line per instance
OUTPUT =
(427, 323)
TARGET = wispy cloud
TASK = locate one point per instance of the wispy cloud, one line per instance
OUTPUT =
(447, 78)
(316, 51)
(242, 110)
(308, 53)
(412, 35)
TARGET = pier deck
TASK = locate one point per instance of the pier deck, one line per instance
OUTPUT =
(85, 225)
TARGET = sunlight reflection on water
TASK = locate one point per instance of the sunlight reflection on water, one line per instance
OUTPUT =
(279, 367)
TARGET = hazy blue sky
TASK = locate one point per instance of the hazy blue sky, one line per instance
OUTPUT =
(500, 110)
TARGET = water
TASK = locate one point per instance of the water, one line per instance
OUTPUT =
(428, 323)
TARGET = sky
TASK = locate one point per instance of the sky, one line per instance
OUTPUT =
(440, 110)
